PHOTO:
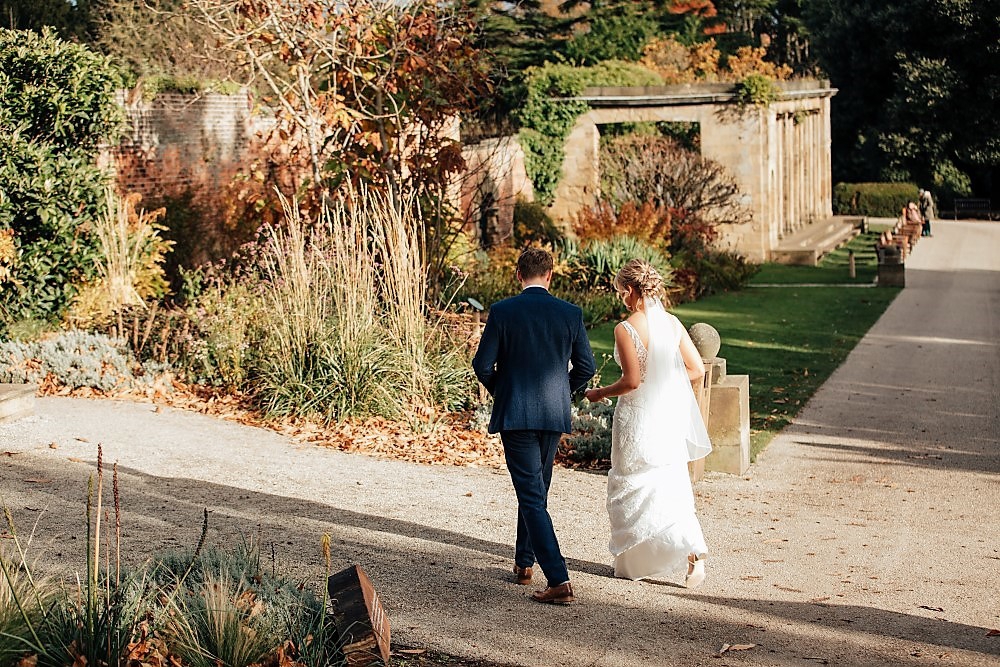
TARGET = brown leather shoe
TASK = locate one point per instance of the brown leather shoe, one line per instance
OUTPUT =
(522, 575)
(561, 594)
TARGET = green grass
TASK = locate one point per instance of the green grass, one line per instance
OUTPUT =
(832, 269)
(787, 339)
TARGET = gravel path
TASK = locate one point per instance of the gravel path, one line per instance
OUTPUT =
(866, 534)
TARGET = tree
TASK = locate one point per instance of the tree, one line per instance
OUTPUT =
(162, 37)
(71, 19)
(919, 89)
(366, 96)
(57, 107)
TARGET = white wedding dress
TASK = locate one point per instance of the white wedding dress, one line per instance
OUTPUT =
(657, 429)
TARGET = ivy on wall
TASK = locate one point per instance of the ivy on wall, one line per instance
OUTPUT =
(547, 116)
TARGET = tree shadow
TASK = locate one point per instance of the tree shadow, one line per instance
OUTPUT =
(452, 591)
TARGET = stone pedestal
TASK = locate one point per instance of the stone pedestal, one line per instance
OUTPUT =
(729, 425)
(16, 401)
(891, 275)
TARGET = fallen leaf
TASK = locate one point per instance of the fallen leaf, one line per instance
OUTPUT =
(469, 494)
(82, 439)
(751, 577)
(9, 453)
(923, 606)
(993, 633)
(734, 647)
(786, 588)
(53, 445)
(822, 599)
(75, 459)
(412, 651)
(38, 480)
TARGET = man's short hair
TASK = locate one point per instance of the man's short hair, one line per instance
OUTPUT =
(534, 263)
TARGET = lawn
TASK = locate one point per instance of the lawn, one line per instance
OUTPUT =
(788, 339)
(833, 267)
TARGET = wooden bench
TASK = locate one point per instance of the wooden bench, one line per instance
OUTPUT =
(973, 208)
(902, 237)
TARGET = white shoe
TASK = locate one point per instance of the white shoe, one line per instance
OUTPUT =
(696, 576)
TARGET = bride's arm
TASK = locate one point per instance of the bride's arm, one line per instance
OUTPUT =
(692, 358)
(630, 378)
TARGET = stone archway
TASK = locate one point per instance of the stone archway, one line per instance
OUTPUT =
(779, 154)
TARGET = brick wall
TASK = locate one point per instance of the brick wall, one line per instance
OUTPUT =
(178, 141)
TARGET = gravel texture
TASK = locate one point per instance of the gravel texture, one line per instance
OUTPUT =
(866, 533)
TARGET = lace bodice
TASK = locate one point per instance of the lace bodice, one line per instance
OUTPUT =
(639, 348)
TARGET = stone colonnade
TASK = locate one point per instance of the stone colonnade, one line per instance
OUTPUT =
(779, 153)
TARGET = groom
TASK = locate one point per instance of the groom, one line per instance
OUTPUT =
(523, 356)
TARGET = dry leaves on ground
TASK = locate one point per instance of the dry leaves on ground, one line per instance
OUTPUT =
(438, 440)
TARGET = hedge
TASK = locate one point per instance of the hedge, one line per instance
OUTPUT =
(877, 200)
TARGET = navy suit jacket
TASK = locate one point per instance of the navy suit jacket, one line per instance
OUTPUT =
(524, 360)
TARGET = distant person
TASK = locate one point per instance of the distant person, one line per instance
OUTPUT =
(533, 356)
(657, 429)
(926, 210)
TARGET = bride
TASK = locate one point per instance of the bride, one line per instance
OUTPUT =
(657, 429)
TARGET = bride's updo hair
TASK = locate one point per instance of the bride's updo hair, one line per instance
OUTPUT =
(641, 276)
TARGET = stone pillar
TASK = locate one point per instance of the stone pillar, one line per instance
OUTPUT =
(706, 340)
(728, 415)
(826, 158)
(580, 179)
(729, 425)
(786, 158)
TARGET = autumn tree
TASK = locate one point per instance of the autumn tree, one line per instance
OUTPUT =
(367, 94)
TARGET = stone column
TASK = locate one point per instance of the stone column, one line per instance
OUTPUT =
(825, 143)
(786, 181)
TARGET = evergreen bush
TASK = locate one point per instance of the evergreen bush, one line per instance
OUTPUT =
(57, 106)
(877, 200)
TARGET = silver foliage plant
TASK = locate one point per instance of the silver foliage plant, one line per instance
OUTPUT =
(76, 359)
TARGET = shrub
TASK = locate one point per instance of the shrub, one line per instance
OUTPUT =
(756, 90)
(597, 306)
(950, 183)
(533, 224)
(590, 441)
(57, 107)
(129, 261)
(592, 265)
(703, 274)
(341, 330)
(49, 196)
(698, 193)
(646, 221)
(492, 276)
(207, 607)
(76, 359)
(878, 200)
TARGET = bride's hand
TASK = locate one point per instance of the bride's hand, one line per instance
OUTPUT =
(592, 395)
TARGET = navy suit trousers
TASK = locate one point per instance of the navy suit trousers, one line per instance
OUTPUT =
(529, 456)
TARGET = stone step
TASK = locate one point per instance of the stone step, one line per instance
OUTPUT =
(16, 402)
(807, 245)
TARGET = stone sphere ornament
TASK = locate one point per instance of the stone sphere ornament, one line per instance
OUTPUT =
(706, 339)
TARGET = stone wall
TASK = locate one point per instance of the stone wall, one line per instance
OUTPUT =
(179, 141)
(779, 154)
(495, 178)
